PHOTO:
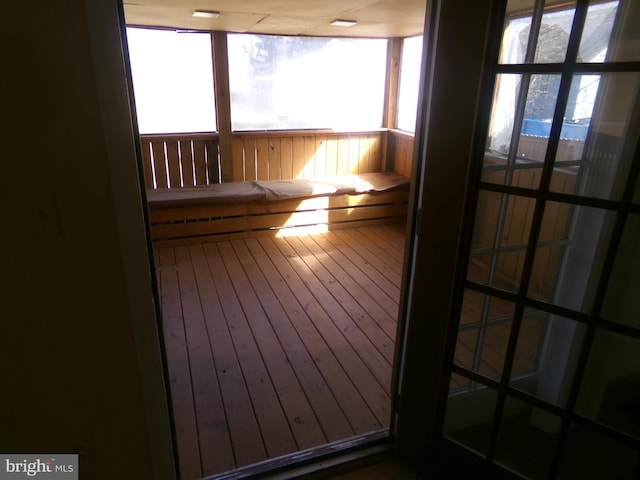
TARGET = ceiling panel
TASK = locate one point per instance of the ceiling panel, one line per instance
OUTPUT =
(376, 18)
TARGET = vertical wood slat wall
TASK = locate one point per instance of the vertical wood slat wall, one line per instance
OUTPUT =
(176, 161)
(259, 156)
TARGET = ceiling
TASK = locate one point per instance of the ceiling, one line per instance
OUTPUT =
(376, 18)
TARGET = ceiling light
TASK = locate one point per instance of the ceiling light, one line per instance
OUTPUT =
(343, 23)
(206, 14)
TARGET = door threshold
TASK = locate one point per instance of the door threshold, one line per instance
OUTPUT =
(312, 460)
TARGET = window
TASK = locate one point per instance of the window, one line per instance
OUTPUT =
(409, 83)
(172, 80)
(281, 82)
(545, 366)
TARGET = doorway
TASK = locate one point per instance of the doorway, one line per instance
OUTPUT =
(283, 345)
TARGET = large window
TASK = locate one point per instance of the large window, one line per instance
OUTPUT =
(409, 83)
(172, 80)
(299, 82)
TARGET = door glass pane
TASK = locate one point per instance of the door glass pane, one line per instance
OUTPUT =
(622, 301)
(588, 454)
(483, 334)
(503, 112)
(527, 439)
(468, 418)
(501, 232)
(568, 259)
(459, 383)
(520, 167)
(552, 242)
(610, 390)
(552, 39)
(597, 32)
(515, 32)
(494, 349)
(551, 344)
(530, 338)
(599, 136)
(622, 42)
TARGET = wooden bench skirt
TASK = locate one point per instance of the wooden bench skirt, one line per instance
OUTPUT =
(249, 209)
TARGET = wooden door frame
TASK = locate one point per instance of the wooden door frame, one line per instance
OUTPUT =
(457, 79)
(104, 23)
(445, 140)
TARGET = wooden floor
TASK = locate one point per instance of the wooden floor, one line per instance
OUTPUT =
(276, 345)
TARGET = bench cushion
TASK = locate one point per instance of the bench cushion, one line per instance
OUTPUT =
(272, 190)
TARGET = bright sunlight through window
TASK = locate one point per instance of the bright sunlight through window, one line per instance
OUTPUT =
(409, 83)
(172, 80)
(301, 82)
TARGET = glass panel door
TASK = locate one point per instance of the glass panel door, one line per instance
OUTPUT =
(545, 377)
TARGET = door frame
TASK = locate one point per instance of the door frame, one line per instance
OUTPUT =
(454, 60)
(104, 24)
(457, 81)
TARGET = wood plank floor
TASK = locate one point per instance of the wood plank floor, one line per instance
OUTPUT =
(276, 345)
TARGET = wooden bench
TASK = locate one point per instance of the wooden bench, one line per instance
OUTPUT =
(275, 207)
(324, 179)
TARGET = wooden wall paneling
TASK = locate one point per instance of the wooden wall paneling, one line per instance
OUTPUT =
(186, 162)
(173, 163)
(250, 159)
(275, 159)
(402, 147)
(310, 157)
(238, 159)
(365, 153)
(298, 158)
(147, 164)
(200, 161)
(343, 155)
(159, 163)
(406, 153)
(262, 158)
(399, 154)
(320, 156)
(332, 156)
(392, 153)
(286, 158)
(213, 161)
(354, 153)
(375, 158)
(386, 163)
